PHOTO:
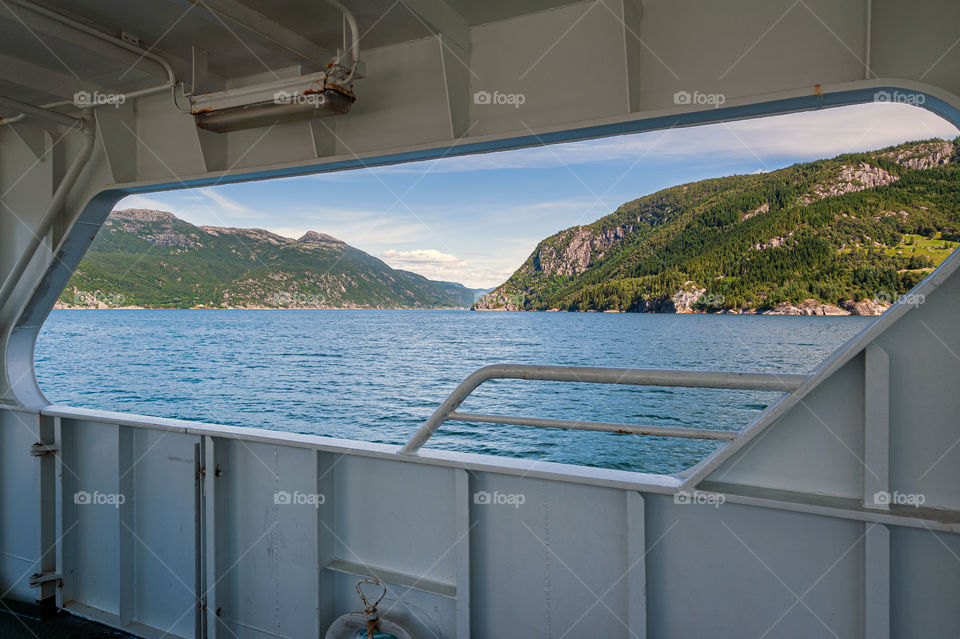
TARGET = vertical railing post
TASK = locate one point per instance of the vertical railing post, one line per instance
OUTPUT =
(876, 428)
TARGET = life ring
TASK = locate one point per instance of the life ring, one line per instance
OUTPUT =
(349, 625)
(346, 627)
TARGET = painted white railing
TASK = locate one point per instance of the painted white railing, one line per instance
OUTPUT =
(629, 376)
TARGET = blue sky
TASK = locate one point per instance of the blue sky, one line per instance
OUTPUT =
(475, 219)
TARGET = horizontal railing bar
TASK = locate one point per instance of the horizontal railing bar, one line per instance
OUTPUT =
(783, 383)
(602, 427)
(643, 377)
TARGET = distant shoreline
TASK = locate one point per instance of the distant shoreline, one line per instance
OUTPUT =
(459, 308)
(59, 307)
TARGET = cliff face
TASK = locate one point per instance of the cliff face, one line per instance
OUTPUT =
(152, 259)
(850, 179)
(576, 249)
(156, 227)
(837, 236)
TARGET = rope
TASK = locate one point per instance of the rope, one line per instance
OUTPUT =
(370, 610)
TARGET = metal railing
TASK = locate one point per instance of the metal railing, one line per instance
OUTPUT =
(629, 376)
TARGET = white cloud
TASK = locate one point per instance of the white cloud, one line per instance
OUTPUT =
(357, 228)
(806, 134)
(219, 205)
(202, 206)
(424, 256)
(144, 202)
(436, 265)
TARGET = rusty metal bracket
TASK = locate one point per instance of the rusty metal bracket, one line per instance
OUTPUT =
(38, 449)
(37, 579)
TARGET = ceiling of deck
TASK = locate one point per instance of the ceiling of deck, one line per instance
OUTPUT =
(43, 62)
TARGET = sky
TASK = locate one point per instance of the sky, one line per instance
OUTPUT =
(475, 219)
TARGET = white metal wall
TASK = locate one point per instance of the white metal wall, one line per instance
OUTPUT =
(588, 553)
(575, 556)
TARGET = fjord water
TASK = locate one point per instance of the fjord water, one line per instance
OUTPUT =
(377, 375)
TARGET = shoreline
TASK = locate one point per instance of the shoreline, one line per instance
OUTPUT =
(63, 307)
(751, 312)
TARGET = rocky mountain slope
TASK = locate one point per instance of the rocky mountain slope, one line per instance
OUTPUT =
(153, 259)
(840, 236)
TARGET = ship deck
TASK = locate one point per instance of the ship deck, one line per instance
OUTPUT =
(26, 621)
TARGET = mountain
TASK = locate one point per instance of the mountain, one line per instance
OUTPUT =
(467, 296)
(840, 236)
(152, 259)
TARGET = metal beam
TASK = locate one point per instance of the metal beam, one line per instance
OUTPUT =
(39, 112)
(453, 36)
(41, 24)
(876, 428)
(636, 569)
(38, 78)
(455, 61)
(876, 582)
(441, 19)
(280, 35)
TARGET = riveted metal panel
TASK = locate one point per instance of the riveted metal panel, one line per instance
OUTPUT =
(163, 537)
(20, 546)
(548, 557)
(266, 551)
(739, 572)
(924, 582)
(91, 524)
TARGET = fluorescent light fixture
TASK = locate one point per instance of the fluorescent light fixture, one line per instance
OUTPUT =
(317, 95)
(301, 98)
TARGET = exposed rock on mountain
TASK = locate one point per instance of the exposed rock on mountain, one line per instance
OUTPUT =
(826, 237)
(152, 259)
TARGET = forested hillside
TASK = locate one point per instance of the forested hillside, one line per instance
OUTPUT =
(153, 259)
(834, 236)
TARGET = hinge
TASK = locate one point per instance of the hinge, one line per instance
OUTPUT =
(201, 472)
(38, 449)
(37, 579)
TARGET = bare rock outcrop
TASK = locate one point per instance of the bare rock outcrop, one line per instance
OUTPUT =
(578, 248)
(806, 307)
(156, 227)
(850, 180)
(318, 239)
(865, 307)
(763, 208)
(773, 242)
(498, 300)
(922, 156)
(260, 235)
(685, 300)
